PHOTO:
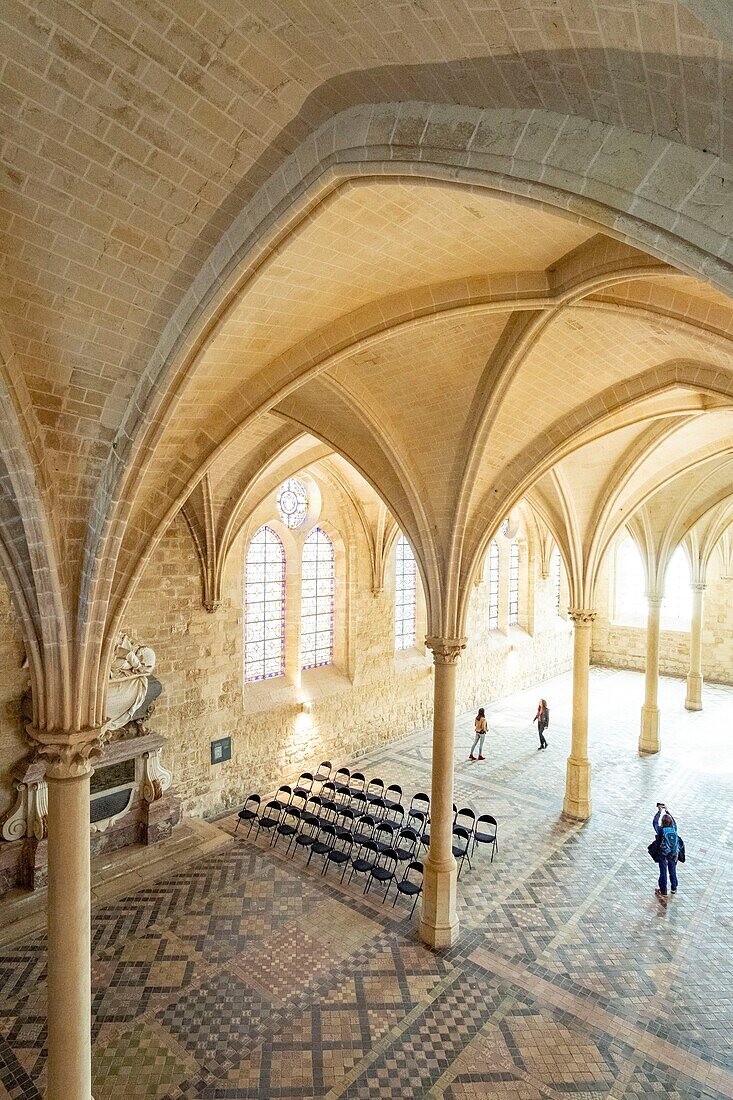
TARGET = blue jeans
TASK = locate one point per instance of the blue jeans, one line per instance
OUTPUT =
(667, 863)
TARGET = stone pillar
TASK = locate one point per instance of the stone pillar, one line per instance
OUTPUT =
(649, 736)
(68, 770)
(694, 679)
(438, 919)
(577, 802)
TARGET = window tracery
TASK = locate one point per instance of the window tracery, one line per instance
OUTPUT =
(493, 585)
(264, 607)
(316, 611)
(405, 595)
(514, 583)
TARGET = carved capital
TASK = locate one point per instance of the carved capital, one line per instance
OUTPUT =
(582, 616)
(654, 599)
(446, 651)
(698, 586)
(212, 605)
(67, 754)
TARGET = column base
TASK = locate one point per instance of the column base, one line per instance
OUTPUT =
(649, 736)
(577, 804)
(694, 693)
(438, 918)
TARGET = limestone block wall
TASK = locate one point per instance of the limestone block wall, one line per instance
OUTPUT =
(14, 680)
(620, 646)
(371, 696)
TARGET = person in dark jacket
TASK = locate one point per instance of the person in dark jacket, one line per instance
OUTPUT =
(542, 718)
(669, 847)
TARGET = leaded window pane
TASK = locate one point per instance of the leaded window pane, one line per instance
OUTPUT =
(264, 610)
(405, 594)
(555, 571)
(493, 585)
(514, 583)
(316, 621)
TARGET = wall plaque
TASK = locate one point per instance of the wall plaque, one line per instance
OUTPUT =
(221, 750)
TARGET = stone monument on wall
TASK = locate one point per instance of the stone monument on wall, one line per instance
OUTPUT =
(132, 799)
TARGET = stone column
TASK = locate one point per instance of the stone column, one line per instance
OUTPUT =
(68, 770)
(577, 802)
(438, 919)
(694, 679)
(649, 736)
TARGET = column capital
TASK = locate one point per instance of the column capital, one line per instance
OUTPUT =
(67, 754)
(654, 599)
(698, 586)
(583, 616)
(446, 651)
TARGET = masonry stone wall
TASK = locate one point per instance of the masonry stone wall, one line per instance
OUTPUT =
(200, 663)
(621, 646)
(14, 679)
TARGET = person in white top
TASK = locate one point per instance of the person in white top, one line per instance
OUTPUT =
(481, 728)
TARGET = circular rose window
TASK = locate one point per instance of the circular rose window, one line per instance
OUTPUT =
(292, 502)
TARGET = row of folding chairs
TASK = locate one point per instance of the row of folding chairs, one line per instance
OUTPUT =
(364, 846)
(287, 817)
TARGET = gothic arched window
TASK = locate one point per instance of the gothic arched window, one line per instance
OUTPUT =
(676, 610)
(493, 585)
(264, 607)
(316, 608)
(514, 583)
(630, 584)
(555, 573)
(405, 599)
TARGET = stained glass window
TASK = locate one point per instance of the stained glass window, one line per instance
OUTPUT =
(405, 595)
(292, 502)
(514, 583)
(316, 623)
(493, 585)
(504, 526)
(555, 573)
(264, 604)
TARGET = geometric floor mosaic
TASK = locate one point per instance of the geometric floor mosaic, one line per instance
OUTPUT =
(243, 975)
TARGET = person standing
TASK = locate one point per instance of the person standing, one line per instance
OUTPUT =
(481, 729)
(542, 718)
(668, 847)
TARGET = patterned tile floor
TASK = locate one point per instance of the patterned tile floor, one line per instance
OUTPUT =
(244, 975)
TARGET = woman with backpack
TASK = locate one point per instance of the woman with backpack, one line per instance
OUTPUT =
(668, 847)
(542, 718)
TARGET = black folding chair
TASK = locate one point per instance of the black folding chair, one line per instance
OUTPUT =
(310, 828)
(249, 812)
(357, 784)
(364, 829)
(323, 773)
(270, 816)
(304, 786)
(341, 781)
(365, 858)
(322, 846)
(393, 796)
(288, 826)
(467, 818)
(486, 833)
(421, 802)
(409, 886)
(383, 871)
(329, 803)
(406, 844)
(375, 791)
(344, 822)
(396, 814)
(417, 820)
(359, 803)
(461, 840)
(339, 854)
(384, 836)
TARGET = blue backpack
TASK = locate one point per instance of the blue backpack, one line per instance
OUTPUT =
(668, 842)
